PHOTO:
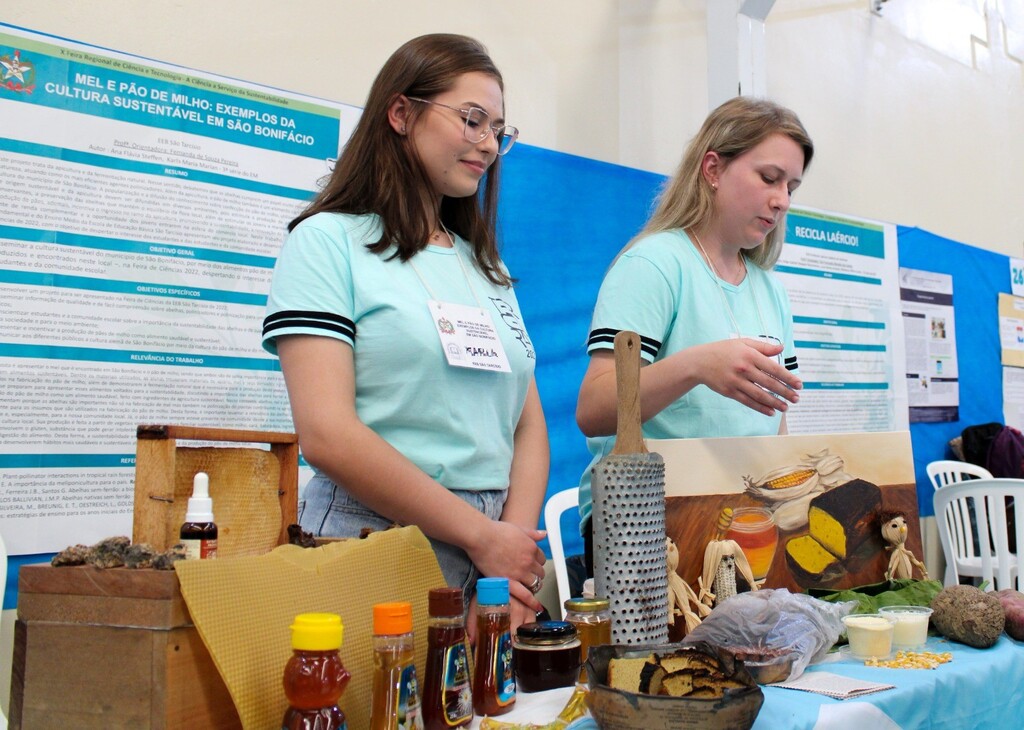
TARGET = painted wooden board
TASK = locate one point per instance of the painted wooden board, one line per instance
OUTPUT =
(854, 479)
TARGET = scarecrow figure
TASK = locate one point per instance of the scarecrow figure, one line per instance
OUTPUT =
(680, 595)
(902, 562)
(722, 558)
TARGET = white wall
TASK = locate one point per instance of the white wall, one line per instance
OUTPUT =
(916, 113)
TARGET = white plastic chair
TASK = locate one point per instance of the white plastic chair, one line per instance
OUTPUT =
(993, 561)
(942, 473)
(945, 472)
(559, 503)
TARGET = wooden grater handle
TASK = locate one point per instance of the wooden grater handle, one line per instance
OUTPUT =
(628, 436)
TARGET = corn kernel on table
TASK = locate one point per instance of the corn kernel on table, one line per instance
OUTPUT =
(979, 688)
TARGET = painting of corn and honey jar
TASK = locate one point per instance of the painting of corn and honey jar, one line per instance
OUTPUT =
(806, 511)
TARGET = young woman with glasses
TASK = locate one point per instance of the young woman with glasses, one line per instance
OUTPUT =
(715, 327)
(408, 368)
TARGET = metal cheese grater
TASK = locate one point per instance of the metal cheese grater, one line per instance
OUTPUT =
(628, 490)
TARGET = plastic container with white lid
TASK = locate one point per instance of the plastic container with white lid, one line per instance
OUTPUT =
(910, 630)
(869, 634)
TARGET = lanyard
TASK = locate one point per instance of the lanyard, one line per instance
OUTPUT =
(725, 299)
(462, 266)
(468, 336)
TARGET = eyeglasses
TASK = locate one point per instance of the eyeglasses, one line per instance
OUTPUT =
(478, 123)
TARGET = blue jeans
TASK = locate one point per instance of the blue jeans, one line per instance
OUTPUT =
(327, 510)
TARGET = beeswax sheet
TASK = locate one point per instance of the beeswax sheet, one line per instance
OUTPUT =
(243, 608)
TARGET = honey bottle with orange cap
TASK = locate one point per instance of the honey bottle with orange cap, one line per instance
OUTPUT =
(395, 693)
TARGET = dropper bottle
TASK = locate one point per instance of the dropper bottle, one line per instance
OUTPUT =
(199, 533)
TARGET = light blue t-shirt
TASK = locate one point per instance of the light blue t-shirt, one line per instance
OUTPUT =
(456, 424)
(663, 289)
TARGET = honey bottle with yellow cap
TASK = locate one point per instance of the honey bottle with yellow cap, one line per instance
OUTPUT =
(314, 677)
(395, 693)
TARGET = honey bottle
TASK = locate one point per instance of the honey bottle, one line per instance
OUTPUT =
(494, 683)
(314, 677)
(395, 694)
(447, 695)
(593, 621)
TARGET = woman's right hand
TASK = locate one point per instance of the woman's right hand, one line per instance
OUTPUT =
(746, 371)
(509, 551)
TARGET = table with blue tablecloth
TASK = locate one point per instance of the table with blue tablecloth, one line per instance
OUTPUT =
(980, 688)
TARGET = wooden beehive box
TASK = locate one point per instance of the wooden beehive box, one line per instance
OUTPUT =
(111, 648)
(254, 491)
(116, 648)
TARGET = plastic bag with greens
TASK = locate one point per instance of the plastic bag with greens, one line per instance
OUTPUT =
(777, 633)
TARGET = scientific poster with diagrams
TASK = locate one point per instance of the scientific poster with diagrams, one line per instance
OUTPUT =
(842, 275)
(933, 379)
(143, 206)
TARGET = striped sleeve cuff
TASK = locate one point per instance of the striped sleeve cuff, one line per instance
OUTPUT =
(604, 339)
(328, 324)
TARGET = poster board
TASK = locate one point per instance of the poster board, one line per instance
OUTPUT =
(857, 477)
(144, 206)
(842, 276)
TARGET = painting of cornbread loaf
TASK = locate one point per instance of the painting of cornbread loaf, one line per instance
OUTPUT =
(804, 509)
(840, 522)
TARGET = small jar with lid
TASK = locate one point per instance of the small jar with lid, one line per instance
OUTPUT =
(593, 621)
(546, 655)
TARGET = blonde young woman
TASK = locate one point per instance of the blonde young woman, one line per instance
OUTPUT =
(401, 423)
(715, 327)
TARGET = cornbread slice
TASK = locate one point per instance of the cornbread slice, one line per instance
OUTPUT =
(625, 673)
(651, 677)
(809, 561)
(677, 684)
(688, 661)
(841, 519)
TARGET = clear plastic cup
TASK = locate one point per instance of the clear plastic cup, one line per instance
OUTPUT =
(910, 630)
(870, 635)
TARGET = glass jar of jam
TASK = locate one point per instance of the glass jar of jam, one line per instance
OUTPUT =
(546, 655)
(593, 621)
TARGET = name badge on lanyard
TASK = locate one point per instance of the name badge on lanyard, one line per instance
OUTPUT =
(468, 337)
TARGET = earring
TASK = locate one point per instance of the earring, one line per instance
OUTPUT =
(403, 129)
(714, 186)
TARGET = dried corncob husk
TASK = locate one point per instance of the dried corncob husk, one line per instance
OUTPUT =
(783, 484)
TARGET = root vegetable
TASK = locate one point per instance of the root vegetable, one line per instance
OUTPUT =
(1013, 605)
(968, 615)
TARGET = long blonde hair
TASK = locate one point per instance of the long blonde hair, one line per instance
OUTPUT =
(735, 127)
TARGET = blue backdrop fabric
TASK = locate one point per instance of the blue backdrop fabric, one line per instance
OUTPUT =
(978, 278)
(563, 219)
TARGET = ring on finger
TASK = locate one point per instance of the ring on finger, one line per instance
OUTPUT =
(535, 586)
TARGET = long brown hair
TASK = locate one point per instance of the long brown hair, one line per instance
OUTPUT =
(735, 127)
(379, 171)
